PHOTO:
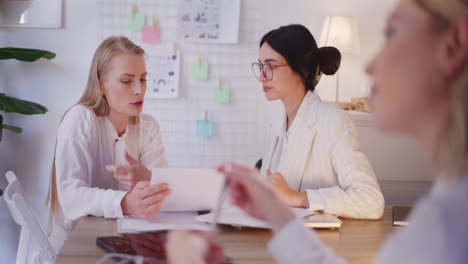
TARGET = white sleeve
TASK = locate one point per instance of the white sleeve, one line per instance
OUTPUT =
(296, 244)
(358, 194)
(73, 165)
(152, 152)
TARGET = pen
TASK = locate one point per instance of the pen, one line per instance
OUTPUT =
(222, 196)
(219, 204)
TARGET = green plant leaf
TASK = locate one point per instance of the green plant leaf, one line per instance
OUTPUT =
(25, 54)
(12, 105)
(11, 128)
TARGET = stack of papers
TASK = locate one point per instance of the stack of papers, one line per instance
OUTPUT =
(233, 215)
(195, 190)
(162, 221)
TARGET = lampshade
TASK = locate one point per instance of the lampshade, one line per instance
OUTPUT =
(342, 33)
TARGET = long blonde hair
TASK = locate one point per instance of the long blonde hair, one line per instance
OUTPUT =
(450, 155)
(93, 96)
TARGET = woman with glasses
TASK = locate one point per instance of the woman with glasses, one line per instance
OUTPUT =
(420, 89)
(313, 159)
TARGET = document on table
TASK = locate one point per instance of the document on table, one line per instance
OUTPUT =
(233, 215)
(162, 221)
(191, 189)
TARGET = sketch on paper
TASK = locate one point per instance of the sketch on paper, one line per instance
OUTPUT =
(215, 21)
(163, 67)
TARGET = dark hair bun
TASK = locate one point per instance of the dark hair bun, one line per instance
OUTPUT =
(329, 59)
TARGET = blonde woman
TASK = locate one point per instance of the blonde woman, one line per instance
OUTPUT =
(105, 146)
(421, 89)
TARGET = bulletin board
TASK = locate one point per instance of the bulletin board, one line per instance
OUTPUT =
(237, 125)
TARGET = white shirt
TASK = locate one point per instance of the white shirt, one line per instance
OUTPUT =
(437, 233)
(320, 155)
(86, 143)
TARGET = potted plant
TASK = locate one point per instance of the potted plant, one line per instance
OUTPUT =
(13, 105)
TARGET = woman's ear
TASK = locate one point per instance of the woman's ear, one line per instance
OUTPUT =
(101, 86)
(454, 51)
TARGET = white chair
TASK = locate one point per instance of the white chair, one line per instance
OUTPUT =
(25, 217)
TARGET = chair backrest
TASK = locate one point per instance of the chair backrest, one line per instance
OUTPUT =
(25, 217)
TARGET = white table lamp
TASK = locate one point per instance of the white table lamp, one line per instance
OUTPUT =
(340, 32)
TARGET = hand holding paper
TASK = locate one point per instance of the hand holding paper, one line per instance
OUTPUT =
(144, 200)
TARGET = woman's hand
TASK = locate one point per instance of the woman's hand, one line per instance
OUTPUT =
(144, 200)
(291, 197)
(194, 247)
(129, 175)
(254, 196)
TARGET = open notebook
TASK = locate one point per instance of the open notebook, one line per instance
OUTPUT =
(234, 216)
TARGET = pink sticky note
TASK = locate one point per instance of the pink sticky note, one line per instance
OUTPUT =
(150, 34)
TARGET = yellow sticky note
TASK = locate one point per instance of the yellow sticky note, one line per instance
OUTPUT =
(221, 94)
(199, 71)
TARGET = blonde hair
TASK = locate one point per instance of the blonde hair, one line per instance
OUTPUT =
(450, 155)
(93, 98)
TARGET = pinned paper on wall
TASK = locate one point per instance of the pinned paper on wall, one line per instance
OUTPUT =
(205, 127)
(221, 93)
(163, 66)
(135, 20)
(212, 21)
(150, 33)
(200, 70)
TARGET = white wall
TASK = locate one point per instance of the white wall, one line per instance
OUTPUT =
(58, 84)
(370, 16)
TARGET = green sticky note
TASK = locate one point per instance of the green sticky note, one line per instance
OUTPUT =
(136, 22)
(221, 94)
(199, 71)
(204, 128)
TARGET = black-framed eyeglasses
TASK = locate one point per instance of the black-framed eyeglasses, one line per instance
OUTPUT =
(265, 69)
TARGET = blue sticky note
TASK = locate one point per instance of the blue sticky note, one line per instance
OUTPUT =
(199, 71)
(136, 22)
(204, 128)
(221, 94)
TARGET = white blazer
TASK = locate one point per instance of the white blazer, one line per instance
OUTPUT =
(323, 158)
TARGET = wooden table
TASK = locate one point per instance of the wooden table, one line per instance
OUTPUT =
(357, 241)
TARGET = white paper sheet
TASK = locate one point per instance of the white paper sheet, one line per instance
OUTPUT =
(162, 221)
(233, 215)
(209, 21)
(191, 189)
(163, 73)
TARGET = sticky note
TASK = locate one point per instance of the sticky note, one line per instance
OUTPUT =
(136, 22)
(221, 94)
(204, 128)
(150, 34)
(199, 71)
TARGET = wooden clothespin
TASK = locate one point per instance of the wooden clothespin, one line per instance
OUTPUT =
(199, 61)
(174, 48)
(220, 83)
(154, 23)
(134, 11)
(206, 117)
